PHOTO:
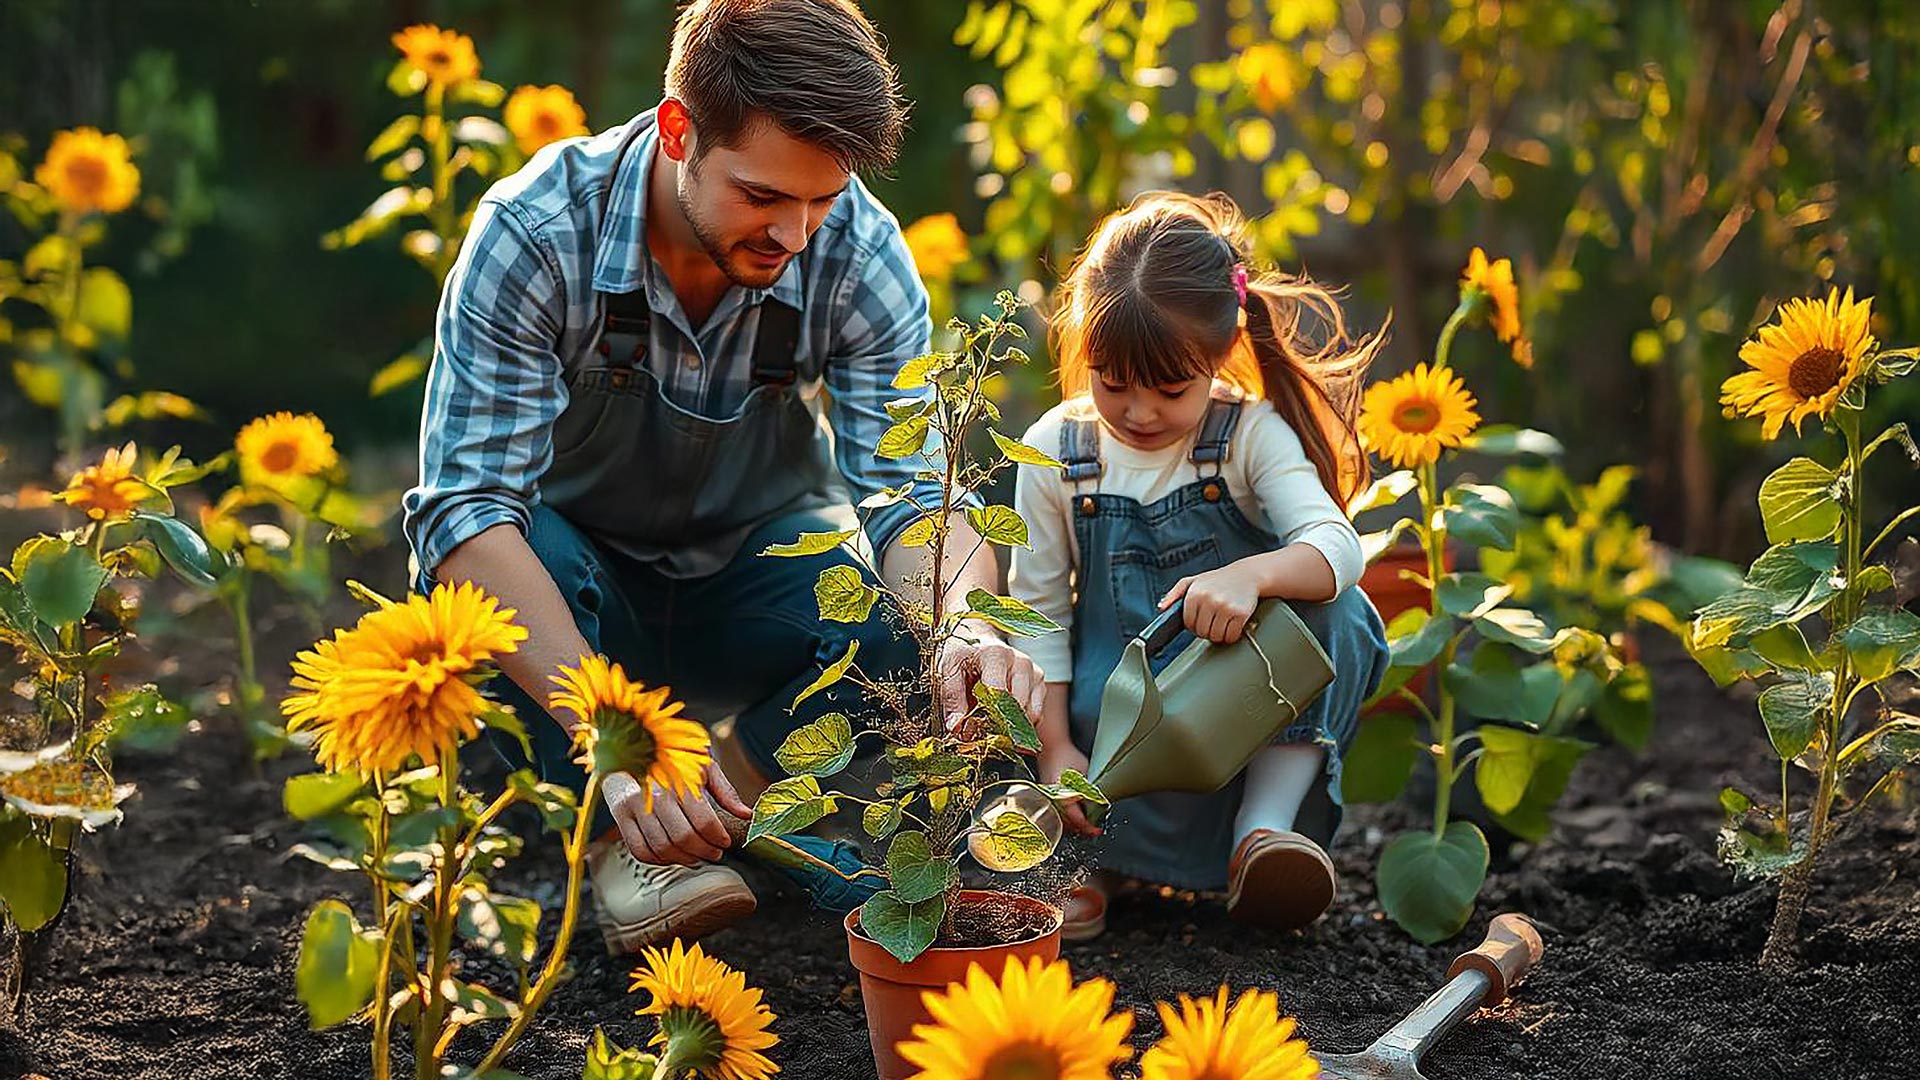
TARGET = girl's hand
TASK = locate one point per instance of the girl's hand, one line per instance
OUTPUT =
(1055, 760)
(1219, 602)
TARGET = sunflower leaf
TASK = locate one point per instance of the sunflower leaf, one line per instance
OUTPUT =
(903, 929)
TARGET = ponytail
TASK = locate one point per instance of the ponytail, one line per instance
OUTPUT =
(1316, 392)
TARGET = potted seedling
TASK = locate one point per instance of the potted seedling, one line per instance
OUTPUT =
(944, 797)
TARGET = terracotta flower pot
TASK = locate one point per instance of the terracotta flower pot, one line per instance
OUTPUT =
(1392, 594)
(891, 991)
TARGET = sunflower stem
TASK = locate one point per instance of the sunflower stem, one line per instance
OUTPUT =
(383, 979)
(1443, 349)
(1435, 535)
(439, 931)
(555, 967)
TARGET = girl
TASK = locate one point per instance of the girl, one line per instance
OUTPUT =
(1209, 450)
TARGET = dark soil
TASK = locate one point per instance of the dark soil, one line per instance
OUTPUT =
(176, 958)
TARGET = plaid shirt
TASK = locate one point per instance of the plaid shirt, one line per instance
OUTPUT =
(522, 305)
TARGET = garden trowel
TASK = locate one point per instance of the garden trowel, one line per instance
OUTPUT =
(1479, 978)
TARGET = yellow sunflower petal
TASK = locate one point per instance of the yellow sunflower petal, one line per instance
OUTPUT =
(1801, 365)
(445, 56)
(1410, 419)
(87, 171)
(1031, 1021)
(538, 115)
(716, 1023)
(627, 728)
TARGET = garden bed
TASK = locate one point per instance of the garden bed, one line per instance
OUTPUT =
(176, 957)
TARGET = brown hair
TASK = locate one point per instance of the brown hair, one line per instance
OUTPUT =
(816, 68)
(1152, 300)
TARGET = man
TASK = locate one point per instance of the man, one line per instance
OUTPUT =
(662, 349)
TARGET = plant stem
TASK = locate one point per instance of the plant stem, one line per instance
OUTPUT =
(441, 153)
(1434, 533)
(383, 980)
(238, 599)
(556, 965)
(1443, 349)
(433, 1012)
(1798, 880)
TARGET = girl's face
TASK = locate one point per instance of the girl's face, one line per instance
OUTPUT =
(1151, 417)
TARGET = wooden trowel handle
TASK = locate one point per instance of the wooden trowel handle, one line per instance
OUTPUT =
(1511, 948)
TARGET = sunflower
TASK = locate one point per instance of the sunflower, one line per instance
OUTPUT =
(1032, 1024)
(627, 728)
(1802, 364)
(711, 1022)
(1491, 285)
(1207, 1041)
(538, 115)
(87, 171)
(285, 447)
(109, 489)
(402, 682)
(1408, 420)
(937, 245)
(445, 56)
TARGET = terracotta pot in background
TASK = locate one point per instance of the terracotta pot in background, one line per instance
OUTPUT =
(1392, 594)
(891, 991)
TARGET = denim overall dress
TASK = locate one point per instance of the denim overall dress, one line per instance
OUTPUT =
(1179, 838)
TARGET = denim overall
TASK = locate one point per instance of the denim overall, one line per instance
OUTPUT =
(1180, 838)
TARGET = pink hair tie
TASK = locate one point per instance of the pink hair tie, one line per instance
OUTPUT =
(1240, 283)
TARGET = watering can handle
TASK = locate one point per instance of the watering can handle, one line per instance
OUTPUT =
(1164, 628)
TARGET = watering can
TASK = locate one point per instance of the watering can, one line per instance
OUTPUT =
(1192, 725)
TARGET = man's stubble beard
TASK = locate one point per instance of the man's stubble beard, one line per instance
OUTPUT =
(710, 241)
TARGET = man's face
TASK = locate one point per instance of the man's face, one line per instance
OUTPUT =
(754, 206)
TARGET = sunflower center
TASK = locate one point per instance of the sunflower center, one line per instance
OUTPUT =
(438, 58)
(280, 457)
(1816, 371)
(1417, 416)
(546, 123)
(1022, 1061)
(87, 173)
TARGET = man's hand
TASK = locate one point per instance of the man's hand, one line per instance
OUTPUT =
(681, 829)
(978, 654)
(1055, 760)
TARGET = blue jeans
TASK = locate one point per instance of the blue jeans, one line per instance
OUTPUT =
(742, 642)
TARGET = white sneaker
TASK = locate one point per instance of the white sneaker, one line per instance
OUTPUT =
(641, 904)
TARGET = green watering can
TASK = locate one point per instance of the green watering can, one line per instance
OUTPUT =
(1191, 727)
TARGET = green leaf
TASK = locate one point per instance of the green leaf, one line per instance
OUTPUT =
(1375, 544)
(833, 673)
(1507, 440)
(405, 80)
(788, 806)
(487, 95)
(1793, 709)
(33, 875)
(607, 1060)
(1515, 626)
(913, 870)
(503, 719)
(557, 805)
(903, 929)
(1897, 434)
(1381, 758)
(312, 795)
(105, 303)
(1384, 491)
(1523, 766)
(1481, 515)
(914, 373)
(141, 718)
(881, 818)
(811, 543)
(401, 371)
(1420, 638)
(1787, 583)
(1625, 709)
(1010, 718)
(1021, 453)
(334, 976)
(1493, 686)
(1797, 502)
(998, 525)
(1470, 595)
(903, 439)
(821, 748)
(1784, 646)
(506, 927)
(1428, 883)
(1012, 843)
(1008, 614)
(843, 595)
(394, 136)
(1073, 782)
(60, 581)
(1883, 640)
(183, 549)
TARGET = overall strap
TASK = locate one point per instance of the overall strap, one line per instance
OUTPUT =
(1216, 436)
(775, 345)
(1080, 450)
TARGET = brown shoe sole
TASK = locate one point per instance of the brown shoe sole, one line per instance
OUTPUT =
(715, 914)
(1284, 882)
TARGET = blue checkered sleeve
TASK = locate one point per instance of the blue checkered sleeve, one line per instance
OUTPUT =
(884, 324)
(492, 394)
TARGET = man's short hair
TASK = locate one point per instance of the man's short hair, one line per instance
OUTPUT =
(816, 68)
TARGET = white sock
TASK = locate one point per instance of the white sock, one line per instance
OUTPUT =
(1278, 779)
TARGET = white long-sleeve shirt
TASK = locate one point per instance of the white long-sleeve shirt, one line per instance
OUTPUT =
(1267, 473)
